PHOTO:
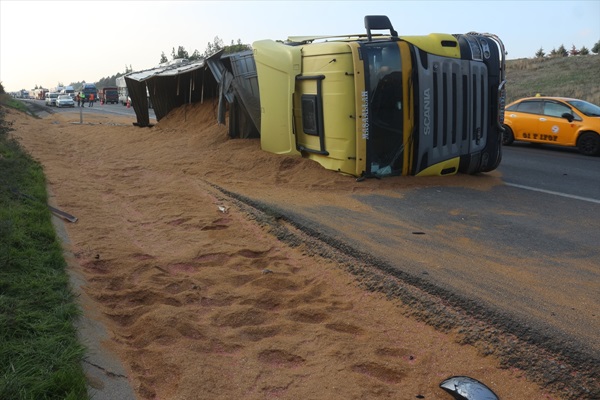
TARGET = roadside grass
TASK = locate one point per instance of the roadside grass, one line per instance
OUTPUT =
(9, 101)
(40, 356)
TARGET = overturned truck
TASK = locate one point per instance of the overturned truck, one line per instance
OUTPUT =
(373, 104)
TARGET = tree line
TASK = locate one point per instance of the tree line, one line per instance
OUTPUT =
(211, 48)
(563, 52)
(181, 52)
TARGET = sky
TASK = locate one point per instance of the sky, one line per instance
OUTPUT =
(45, 43)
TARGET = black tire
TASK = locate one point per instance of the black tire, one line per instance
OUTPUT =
(588, 143)
(507, 137)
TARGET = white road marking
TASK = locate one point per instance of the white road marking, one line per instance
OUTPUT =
(554, 193)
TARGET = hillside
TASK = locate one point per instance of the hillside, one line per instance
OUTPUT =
(577, 77)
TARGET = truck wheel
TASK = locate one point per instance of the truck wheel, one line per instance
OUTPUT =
(588, 143)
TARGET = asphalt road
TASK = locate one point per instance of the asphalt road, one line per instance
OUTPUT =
(116, 109)
(558, 170)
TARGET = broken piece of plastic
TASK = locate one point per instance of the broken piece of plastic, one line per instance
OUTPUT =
(465, 388)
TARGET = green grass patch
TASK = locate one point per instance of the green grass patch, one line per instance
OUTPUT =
(8, 101)
(40, 356)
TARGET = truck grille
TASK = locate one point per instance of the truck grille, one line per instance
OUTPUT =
(459, 112)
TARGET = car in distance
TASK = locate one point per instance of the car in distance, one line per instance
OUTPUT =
(559, 121)
(64, 100)
(51, 99)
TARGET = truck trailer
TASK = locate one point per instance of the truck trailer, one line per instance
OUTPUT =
(122, 91)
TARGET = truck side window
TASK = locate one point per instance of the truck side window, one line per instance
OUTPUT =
(386, 116)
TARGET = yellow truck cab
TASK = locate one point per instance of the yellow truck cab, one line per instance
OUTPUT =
(373, 105)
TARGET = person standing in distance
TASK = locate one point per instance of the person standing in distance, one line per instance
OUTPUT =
(91, 100)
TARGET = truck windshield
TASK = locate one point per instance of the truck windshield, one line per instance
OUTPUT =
(383, 85)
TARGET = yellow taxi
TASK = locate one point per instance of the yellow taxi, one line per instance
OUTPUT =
(554, 120)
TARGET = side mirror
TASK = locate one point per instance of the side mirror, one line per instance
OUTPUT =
(568, 116)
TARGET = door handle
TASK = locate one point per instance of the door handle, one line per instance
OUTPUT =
(543, 119)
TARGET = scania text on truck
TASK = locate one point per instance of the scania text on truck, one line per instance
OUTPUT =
(381, 104)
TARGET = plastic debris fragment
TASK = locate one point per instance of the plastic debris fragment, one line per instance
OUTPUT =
(465, 388)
